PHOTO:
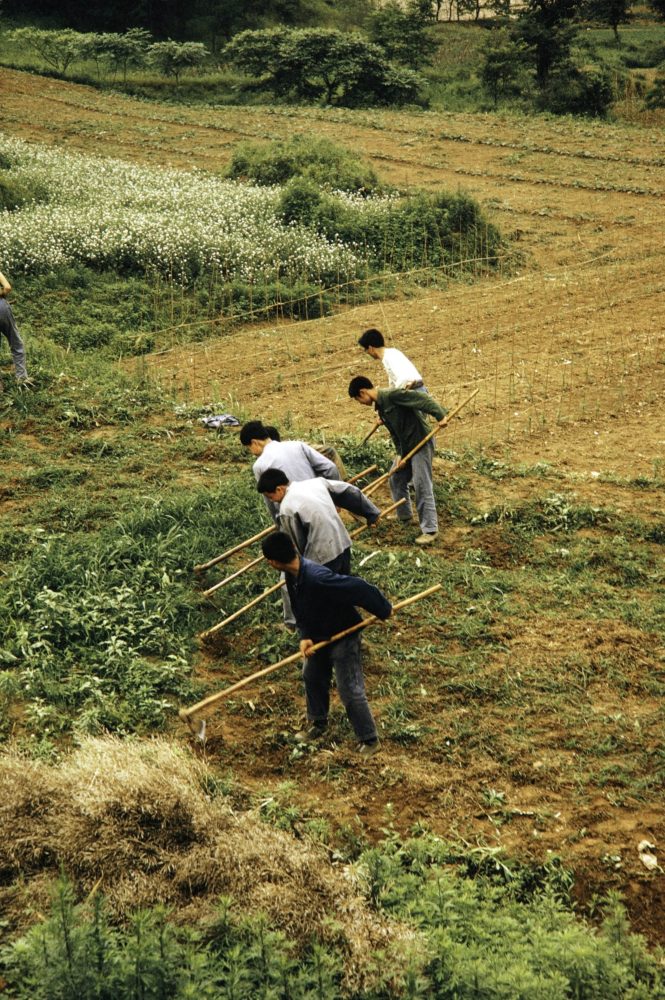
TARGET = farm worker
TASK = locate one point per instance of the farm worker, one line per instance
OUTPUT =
(325, 604)
(401, 410)
(297, 461)
(402, 373)
(326, 450)
(308, 515)
(10, 330)
(295, 458)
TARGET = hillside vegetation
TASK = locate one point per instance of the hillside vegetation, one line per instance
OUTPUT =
(520, 711)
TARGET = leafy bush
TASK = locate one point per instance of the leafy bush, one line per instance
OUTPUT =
(570, 90)
(421, 230)
(319, 64)
(646, 56)
(655, 97)
(17, 191)
(506, 932)
(316, 159)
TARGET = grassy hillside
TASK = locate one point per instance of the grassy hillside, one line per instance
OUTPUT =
(520, 711)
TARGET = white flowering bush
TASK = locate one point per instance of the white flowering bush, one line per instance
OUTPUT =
(108, 214)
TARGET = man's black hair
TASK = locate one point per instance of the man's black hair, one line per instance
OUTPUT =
(271, 479)
(273, 433)
(371, 338)
(253, 430)
(358, 383)
(279, 547)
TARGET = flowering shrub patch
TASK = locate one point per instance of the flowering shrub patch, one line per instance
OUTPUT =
(108, 214)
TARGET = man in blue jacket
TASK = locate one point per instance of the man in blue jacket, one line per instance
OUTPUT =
(324, 604)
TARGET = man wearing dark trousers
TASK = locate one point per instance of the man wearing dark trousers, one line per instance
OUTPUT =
(324, 604)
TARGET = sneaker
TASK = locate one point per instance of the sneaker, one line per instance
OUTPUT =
(314, 732)
(368, 749)
(427, 538)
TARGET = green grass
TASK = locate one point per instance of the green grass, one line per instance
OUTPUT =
(116, 493)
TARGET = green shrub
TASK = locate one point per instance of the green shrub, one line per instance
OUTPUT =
(315, 159)
(18, 191)
(655, 97)
(419, 231)
(574, 91)
(481, 925)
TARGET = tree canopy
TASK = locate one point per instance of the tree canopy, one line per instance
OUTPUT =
(321, 64)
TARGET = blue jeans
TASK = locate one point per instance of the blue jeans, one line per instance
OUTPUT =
(344, 658)
(419, 471)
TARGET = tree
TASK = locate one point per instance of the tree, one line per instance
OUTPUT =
(612, 12)
(320, 63)
(658, 7)
(58, 49)
(173, 58)
(128, 49)
(502, 74)
(501, 8)
(116, 52)
(571, 90)
(470, 7)
(547, 29)
(402, 32)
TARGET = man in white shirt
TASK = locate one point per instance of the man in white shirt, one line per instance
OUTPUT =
(308, 515)
(402, 373)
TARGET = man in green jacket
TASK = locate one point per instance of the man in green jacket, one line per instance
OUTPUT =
(401, 411)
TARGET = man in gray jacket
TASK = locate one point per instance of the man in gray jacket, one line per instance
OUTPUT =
(308, 515)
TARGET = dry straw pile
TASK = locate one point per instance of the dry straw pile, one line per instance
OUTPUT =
(133, 819)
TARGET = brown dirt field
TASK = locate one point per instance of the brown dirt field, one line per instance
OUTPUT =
(569, 357)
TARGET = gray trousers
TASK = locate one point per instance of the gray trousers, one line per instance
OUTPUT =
(344, 658)
(417, 470)
(10, 330)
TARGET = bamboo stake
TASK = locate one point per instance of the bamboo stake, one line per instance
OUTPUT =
(365, 472)
(208, 703)
(236, 548)
(400, 465)
(236, 614)
(374, 429)
(227, 579)
(388, 510)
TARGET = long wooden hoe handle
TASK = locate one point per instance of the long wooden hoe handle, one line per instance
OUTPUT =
(379, 423)
(365, 472)
(241, 611)
(400, 465)
(236, 548)
(238, 572)
(388, 510)
(204, 707)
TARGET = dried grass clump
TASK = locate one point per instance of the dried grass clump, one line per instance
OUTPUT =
(133, 818)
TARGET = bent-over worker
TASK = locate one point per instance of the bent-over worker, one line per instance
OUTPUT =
(401, 410)
(308, 515)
